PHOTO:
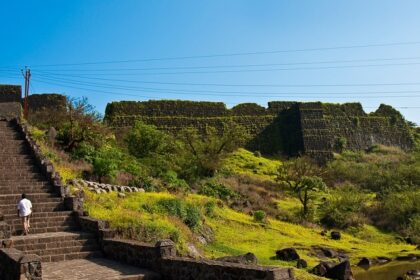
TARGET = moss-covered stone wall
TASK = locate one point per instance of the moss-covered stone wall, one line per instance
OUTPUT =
(10, 93)
(283, 127)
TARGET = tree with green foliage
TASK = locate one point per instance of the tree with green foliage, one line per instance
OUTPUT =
(106, 162)
(153, 148)
(206, 149)
(301, 175)
(82, 128)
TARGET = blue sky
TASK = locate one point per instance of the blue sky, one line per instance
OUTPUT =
(273, 50)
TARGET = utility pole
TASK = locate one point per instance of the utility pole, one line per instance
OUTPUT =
(27, 76)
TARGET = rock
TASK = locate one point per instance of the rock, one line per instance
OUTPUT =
(192, 251)
(324, 233)
(413, 272)
(287, 254)
(325, 252)
(410, 241)
(365, 262)
(301, 263)
(121, 195)
(248, 258)
(52, 134)
(382, 260)
(322, 268)
(335, 235)
(410, 257)
(141, 190)
(341, 271)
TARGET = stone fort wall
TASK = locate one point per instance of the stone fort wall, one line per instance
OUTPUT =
(283, 127)
(289, 128)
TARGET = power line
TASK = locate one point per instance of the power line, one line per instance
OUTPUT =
(210, 92)
(237, 65)
(260, 70)
(291, 95)
(235, 54)
(237, 85)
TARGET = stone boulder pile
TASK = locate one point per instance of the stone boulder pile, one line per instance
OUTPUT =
(104, 188)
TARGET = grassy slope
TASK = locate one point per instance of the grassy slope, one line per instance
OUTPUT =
(246, 163)
(234, 232)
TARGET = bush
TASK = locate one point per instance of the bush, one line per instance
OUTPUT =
(344, 208)
(173, 183)
(340, 144)
(193, 217)
(259, 216)
(189, 214)
(217, 190)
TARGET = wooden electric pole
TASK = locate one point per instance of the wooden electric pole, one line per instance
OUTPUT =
(27, 76)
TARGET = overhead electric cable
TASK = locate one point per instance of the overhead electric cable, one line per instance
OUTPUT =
(208, 92)
(290, 95)
(234, 66)
(237, 54)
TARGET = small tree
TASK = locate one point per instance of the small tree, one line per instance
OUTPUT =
(81, 126)
(301, 175)
(206, 149)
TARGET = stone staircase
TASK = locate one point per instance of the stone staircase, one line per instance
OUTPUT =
(55, 234)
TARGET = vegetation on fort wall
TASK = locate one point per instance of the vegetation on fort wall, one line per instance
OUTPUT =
(10, 93)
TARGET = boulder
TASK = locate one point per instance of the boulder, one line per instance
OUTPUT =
(301, 263)
(287, 254)
(248, 258)
(325, 252)
(341, 271)
(382, 260)
(365, 262)
(410, 257)
(322, 268)
(335, 235)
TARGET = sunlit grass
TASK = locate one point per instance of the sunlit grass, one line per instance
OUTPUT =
(247, 163)
(234, 232)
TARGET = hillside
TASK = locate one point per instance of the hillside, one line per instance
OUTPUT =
(214, 198)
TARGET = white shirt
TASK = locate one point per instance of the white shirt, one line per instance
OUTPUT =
(25, 207)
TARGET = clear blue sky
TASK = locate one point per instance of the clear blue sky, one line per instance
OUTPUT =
(58, 32)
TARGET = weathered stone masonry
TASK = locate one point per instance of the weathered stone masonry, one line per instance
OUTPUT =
(283, 127)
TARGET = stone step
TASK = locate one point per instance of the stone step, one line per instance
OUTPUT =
(24, 175)
(62, 219)
(97, 268)
(16, 176)
(27, 190)
(18, 230)
(33, 197)
(21, 180)
(37, 207)
(59, 246)
(72, 256)
(43, 215)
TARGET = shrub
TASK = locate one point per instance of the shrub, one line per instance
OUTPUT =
(217, 190)
(174, 183)
(189, 214)
(193, 217)
(259, 216)
(343, 208)
(340, 144)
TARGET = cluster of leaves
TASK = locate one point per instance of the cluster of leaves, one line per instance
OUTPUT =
(302, 176)
(146, 152)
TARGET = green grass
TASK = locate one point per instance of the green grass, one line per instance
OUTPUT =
(234, 232)
(246, 163)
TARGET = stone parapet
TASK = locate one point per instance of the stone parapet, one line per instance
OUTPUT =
(15, 265)
(10, 110)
